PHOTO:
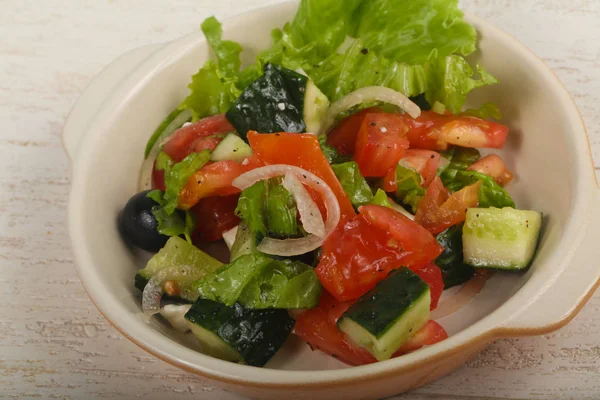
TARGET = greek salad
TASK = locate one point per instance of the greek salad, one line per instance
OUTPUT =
(343, 173)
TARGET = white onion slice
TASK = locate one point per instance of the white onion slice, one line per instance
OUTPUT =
(366, 95)
(310, 215)
(464, 295)
(175, 314)
(293, 247)
(145, 181)
(229, 236)
(153, 290)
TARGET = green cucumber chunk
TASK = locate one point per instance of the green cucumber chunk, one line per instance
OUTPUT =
(383, 320)
(316, 105)
(500, 238)
(238, 334)
(233, 148)
(176, 253)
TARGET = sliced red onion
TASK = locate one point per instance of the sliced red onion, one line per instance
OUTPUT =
(367, 95)
(310, 215)
(153, 290)
(464, 295)
(293, 247)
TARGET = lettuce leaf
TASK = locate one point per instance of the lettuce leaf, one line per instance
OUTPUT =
(257, 281)
(460, 158)
(414, 31)
(490, 193)
(353, 183)
(268, 209)
(381, 199)
(227, 51)
(177, 175)
(330, 153)
(176, 223)
(409, 190)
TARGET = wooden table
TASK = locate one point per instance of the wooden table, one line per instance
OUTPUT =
(53, 341)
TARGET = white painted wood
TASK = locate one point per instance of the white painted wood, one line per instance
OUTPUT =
(53, 341)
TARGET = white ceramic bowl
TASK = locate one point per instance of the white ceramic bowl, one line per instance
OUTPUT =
(548, 149)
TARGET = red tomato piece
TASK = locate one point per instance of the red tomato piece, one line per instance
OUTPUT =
(435, 131)
(300, 150)
(364, 249)
(438, 210)
(432, 275)
(214, 215)
(343, 136)
(185, 140)
(214, 180)
(493, 166)
(355, 257)
(381, 143)
(416, 242)
(319, 329)
(158, 178)
(426, 162)
(431, 333)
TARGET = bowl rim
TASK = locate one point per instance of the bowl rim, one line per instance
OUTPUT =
(483, 331)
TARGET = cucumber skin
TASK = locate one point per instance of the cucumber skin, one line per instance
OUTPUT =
(377, 311)
(255, 334)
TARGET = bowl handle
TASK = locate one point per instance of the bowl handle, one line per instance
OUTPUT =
(96, 94)
(559, 304)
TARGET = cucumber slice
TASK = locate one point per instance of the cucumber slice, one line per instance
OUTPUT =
(316, 105)
(386, 317)
(178, 252)
(238, 334)
(232, 147)
(500, 238)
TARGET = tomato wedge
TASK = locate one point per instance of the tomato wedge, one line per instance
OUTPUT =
(214, 180)
(204, 134)
(214, 215)
(494, 166)
(435, 131)
(319, 329)
(381, 142)
(438, 210)
(431, 333)
(432, 275)
(364, 249)
(417, 243)
(300, 150)
(426, 162)
(343, 136)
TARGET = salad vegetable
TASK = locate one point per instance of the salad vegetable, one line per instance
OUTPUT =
(341, 178)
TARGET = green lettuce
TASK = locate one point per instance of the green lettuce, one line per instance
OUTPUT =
(490, 193)
(381, 199)
(268, 209)
(414, 31)
(176, 223)
(460, 158)
(409, 189)
(226, 51)
(330, 153)
(177, 175)
(354, 184)
(257, 281)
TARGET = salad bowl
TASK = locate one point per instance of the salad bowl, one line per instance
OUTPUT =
(105, 136)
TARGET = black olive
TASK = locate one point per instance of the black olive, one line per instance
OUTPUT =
(138, 225)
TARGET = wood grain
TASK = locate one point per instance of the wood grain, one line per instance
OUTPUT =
(55, 344)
